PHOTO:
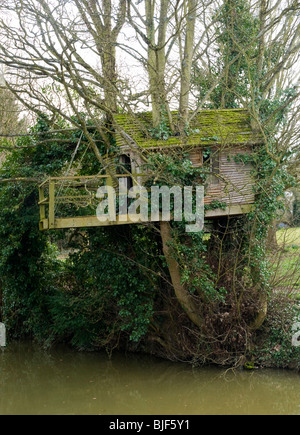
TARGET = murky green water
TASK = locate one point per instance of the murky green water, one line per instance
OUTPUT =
(61, 381)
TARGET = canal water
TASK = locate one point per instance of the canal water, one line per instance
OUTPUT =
(61, 381)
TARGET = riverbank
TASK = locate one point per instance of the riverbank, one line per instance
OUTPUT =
(79, 318)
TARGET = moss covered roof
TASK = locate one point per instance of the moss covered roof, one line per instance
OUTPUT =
(208, 127)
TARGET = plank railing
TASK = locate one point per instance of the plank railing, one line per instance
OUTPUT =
(55, 192)
(55, 199)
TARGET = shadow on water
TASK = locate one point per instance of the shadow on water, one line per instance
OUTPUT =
(62, 381)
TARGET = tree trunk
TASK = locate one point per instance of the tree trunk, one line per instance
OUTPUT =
(108, 58)
(182, 294)
(157, 59)
(187, 63)
(271, 242)
(296, 207)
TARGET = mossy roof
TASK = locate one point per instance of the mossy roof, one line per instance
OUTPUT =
(208, 127)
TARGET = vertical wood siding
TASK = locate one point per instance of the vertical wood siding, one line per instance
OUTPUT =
(236, 182)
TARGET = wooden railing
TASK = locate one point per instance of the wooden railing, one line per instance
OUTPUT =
(71, 202)
(57, 193)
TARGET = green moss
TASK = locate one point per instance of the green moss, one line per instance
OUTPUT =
(208, 126)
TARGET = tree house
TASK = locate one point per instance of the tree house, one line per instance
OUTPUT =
(215, 138)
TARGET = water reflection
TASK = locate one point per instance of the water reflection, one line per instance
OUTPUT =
(61, 381)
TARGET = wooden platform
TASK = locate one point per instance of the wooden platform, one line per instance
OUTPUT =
(92, 221)
(54, 194)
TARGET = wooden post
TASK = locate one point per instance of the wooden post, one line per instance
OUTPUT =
(42, 204)
(111, 199)
(51, 204)
(2, 335)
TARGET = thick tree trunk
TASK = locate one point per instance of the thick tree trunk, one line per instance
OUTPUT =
(296, 207)
(182, 294)
(187, 62)
(108, 58)
(157, 58)
(271, 242)
(262, 312)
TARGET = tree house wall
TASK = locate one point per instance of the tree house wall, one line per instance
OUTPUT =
(235, 186)
(230, 181)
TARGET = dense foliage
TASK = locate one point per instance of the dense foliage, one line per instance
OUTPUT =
(99, 291)
(113, 289)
